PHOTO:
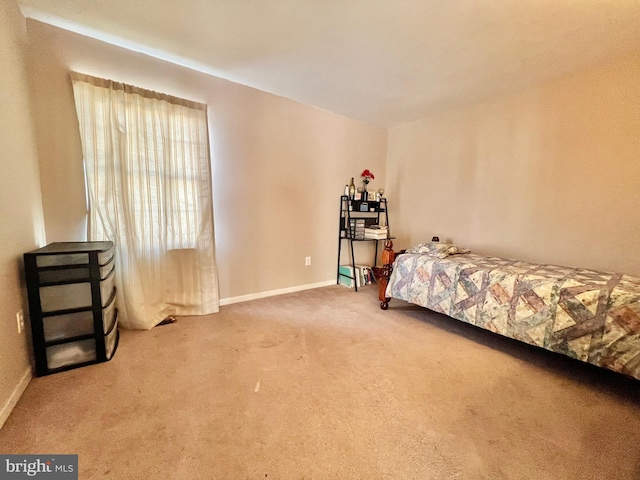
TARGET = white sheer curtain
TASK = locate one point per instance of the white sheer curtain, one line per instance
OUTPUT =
(148, 176)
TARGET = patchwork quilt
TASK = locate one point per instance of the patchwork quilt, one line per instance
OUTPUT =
(588, 315)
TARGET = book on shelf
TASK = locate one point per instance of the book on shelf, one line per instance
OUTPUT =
(376, 232)
(365, 275)
(376, 236)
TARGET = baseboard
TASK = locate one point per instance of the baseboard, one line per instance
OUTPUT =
(272, 293)
(6, 409)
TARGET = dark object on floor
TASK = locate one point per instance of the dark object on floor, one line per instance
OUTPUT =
(170, 319)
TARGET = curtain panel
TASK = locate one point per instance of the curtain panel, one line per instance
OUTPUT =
(148, 180)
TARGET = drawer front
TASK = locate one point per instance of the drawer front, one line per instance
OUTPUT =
(106, 256)
(107, 286)
(75, 295)
(105, 270)
(109, 315)
(73, 353)
(111, 341)
(60, 327)
(64, 275)
(62, 259)
(73, 274)
(63, 297)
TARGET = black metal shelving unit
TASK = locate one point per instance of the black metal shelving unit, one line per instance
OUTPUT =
(72, 292)
(372, 212)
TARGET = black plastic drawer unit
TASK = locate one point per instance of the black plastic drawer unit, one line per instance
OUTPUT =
(72, 293)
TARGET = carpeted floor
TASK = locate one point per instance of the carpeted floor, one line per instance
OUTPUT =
(322, 384)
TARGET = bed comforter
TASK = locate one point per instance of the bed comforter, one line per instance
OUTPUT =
(588, 315)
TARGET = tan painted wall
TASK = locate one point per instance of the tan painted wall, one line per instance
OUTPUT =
(278, 166)
(21, 227)
(550, 175)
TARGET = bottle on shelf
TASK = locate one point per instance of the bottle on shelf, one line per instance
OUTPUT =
(352, 190)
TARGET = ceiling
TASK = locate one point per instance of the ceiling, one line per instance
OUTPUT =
(385, 62)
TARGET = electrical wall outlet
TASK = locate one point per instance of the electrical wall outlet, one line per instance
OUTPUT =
(20, 321)
(307, 261)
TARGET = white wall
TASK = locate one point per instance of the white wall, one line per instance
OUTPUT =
(21, 225)
(549, 175)
(278, 166)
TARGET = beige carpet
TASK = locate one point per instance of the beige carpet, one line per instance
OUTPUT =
(322, 384)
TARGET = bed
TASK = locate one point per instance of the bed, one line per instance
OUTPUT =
(588, 315)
